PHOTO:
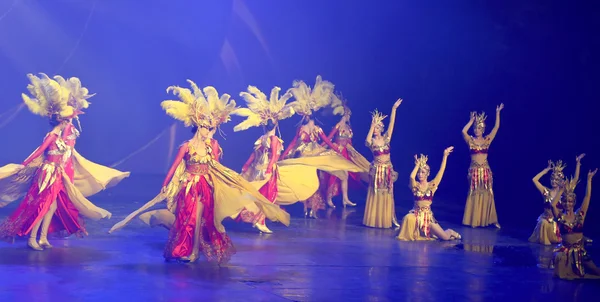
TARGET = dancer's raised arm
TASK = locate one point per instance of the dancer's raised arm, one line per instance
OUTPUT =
(390, 129)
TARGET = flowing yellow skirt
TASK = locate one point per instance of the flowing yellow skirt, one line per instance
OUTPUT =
(480, 209)
(379, 208)
(546, 231)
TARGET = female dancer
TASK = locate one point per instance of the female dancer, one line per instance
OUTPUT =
(571, 260)
(221, 111)
(54, 179)
(380, 210)
(200, 191)
(306, 141)
(261, 166)
(546, 231)
(419, 223)
(341, 135)
(480, 209)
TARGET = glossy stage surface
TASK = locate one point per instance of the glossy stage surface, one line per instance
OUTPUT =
(332, 258)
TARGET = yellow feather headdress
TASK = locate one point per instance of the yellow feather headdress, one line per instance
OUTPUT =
(340, 105)
(310, 100)
(79, 95)
(192, 107)
(48, 97)
(480, 120)
(220, 108)
(260, 109)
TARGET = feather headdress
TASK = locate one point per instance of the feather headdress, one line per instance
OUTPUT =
(310, 100)
(201, 108)
(79, 95)
(191, 108)
(260, 109)
(220, 108)
(340, 105)
(48, 97)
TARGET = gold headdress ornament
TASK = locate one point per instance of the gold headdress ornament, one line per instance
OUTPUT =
(47, 98)
(557, 169)
(570, 185)
(340, 105)
(310, 100)
(480, 120)
(192, 108)
(260, 109)
(422, 162)
(378, 117)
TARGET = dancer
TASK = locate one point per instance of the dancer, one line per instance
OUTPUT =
(54, 179)
(199, 191)
(480, 209)
(341, 135)
(419, 223)
(546, 231)
(571, 260)
(306, 141)
(380, 209)
(261, 166)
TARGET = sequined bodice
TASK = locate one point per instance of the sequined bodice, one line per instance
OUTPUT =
(194, 161)
(423, 197)
(576, 226)
(262, 150)
(312, 137)
(62, 147)
(479, 148)
(381, 150)
(548, 199)
(344, 133)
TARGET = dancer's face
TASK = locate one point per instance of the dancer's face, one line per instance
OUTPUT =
(423, 174)
(204, 131)
(557, 181)
(378, 130)
(479, 131)
(569, 202)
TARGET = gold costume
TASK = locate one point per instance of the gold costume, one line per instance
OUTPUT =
(416, 224)
(380, 209)
(480, 209)
(546, 231)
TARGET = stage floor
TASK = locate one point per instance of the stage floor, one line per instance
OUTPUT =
(332, 258)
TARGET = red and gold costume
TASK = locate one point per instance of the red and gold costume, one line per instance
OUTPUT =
(261, 168)
(261, 163)
(283, 182)
(306, 143)
(480, 208)
(54, 180)
(342, 140)
(200, 192)
(571, 260)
